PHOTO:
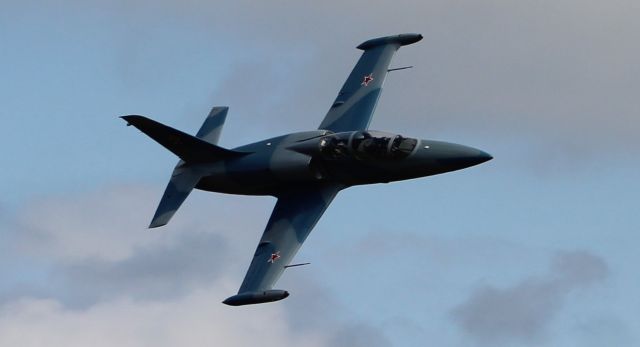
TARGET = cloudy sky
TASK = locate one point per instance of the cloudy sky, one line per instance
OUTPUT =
(537, 247)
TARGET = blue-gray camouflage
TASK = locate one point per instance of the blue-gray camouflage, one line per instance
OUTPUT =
(303, 170)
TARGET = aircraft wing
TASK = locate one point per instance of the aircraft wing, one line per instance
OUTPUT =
(291, 221)
(354, 106)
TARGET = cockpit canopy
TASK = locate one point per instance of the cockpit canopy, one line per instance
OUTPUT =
(367, 145)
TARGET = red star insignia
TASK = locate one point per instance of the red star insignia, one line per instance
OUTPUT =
(367, 79)
(274, 256)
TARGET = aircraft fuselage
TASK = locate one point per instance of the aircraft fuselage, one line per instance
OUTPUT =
(312, 158)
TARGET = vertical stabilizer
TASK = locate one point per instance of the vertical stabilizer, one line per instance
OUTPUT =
(212, 126)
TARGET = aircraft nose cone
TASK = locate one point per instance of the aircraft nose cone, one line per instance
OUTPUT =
(483, 157)
(459, 157)
(469, 156)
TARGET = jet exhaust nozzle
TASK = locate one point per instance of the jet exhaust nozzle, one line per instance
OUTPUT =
(249, 298)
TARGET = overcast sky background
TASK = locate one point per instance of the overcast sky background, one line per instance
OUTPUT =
(537, 247)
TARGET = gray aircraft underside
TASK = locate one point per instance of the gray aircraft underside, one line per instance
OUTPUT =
(304, 170)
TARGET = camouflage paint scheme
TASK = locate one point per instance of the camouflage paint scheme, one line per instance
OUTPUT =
(304, 170)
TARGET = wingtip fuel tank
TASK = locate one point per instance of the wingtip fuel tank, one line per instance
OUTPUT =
(249, 298)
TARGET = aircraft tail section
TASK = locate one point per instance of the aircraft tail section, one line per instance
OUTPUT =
(212, 126)
(192, 150)
(182, 182)
(189, 148)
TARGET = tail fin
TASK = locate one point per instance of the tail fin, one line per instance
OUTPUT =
(212, 126)
(189, 148)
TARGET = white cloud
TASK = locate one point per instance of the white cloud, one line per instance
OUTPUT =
(194, 320)
(104, 225)
(161, 287)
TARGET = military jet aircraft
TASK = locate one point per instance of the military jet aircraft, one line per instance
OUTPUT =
(303, 170)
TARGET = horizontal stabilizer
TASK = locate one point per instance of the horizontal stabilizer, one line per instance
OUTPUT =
(189, 148)
(181, 184)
